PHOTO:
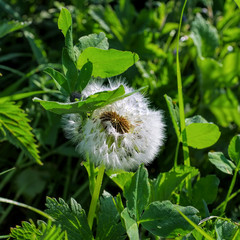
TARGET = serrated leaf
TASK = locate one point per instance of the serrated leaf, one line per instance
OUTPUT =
(59, 80)
(107, 63)
(137, 191)
(162, 219)
(202, 135)
(222, 163)
(167, 182)
(109, 222)
(93, 40)
(120, 177)
(14, 124)
(71, 218)
(64, 20)
(11, 26)
(234, 149)
(131, 225)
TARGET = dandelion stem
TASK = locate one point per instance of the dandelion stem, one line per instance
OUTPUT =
(95, 196)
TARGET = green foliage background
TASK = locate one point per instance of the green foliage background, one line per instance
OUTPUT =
(209, 57)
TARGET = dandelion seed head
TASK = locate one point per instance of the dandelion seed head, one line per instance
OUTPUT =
(121, 135)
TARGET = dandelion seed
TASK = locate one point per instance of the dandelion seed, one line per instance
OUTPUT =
(121, 135)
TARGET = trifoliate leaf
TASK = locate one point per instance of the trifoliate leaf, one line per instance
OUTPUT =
(162, 219)
(222, 163)
(137, 191)
(109, 222)
(11, 26)
(107, 63)
(234, 149)
(29, 231)
(71, 218)
(14, 125)
(64, 21)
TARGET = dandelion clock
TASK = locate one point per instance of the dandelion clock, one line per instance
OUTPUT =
(121, 135)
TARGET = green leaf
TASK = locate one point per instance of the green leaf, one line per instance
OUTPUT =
(137, 191)
(222, 163)
(234, 149)
(162, 219)
(120, 177)
(202, 135)
(11, 26)
(166, 183)
(59, 80)
(93, 40)
(14, 124)
(29, 231)
(131, 225)
(195, 119)
(69, 69)
(69, 44)
(237, 2)
(84, 76)
(206, 190)
(109, 222)
(64, 21)
(225, 229)
(72, 219)
(205, 37)
(107, 63)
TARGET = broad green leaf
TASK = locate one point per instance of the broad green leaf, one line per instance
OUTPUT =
(109, 222)
(64, 20)
(11, 26)
(237, 2)
(107, 63)
(93, 40)
(59, 80)
(137, 191)
(225, 229)
(69, 69)
(131, 225)
(84, 76)
(120, 177)
(71, 218)
(206, 190)
(234, 149)
(205, 37)
(202, 135)
(29, 231)
(222, 163)
(167, 182)
(162, 219)
(14, 124)
(174, 113)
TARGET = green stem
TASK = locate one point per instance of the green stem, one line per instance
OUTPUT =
(5, 200)
(95, 196)
(176, 154)
(231, 187)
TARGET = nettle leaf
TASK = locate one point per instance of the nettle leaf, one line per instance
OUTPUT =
(107, 63)
(93, 102)
(120, 177)
(59, 80)
(225, 229)
(221, 163)
(202, 135)
(206, 190)
(167, 182)
(93, 40)
(71, 218)
(205, 37)
(137, 191)
(29, 231)
(130, 225)
(234, 149)
(11, 26)
(162, 219)
(109, 222)
(14, 125)
(64, 21)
